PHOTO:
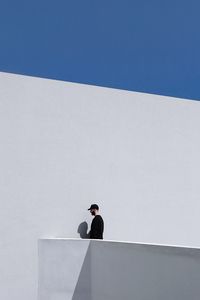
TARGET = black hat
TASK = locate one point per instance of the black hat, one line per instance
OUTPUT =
(93, 206)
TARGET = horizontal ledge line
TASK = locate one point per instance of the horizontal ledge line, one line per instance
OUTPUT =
(122, 242)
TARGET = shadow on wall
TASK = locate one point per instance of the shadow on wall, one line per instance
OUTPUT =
(82, 230)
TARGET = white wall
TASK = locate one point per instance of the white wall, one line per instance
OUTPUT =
(64, 146)
(96, 270)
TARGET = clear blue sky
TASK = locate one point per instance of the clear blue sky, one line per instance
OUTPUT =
(151, 46)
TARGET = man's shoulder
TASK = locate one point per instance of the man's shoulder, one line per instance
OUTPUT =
(99, 217)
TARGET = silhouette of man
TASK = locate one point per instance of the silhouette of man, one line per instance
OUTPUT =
(97, 226)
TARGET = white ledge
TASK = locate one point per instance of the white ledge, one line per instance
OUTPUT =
(117, 241)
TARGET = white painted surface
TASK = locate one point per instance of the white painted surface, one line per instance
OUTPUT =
(57, 280)
(64, 146)
(118, 271)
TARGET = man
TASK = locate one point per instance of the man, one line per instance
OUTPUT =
(97, 225)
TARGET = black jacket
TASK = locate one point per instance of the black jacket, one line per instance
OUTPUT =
(97, 228)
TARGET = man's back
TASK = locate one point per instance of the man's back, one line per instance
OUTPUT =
(97, 228)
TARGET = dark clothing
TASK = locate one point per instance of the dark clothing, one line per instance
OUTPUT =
(97, 227)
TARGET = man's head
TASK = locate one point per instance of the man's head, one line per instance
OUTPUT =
(94, 209)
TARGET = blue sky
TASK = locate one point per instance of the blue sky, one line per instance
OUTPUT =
(150, 46)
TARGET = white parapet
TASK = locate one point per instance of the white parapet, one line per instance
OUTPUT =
(71, 269)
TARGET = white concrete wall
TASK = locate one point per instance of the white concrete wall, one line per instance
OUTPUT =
(64, 146)
(96, 270)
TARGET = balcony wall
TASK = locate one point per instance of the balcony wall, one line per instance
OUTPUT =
(96, 270)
